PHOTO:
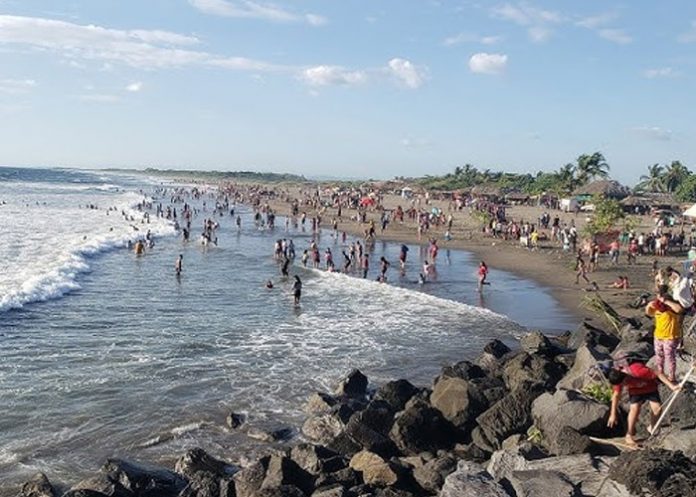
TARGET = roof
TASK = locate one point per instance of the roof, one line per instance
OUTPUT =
(608, 188)
(649, 200)
(486, 190)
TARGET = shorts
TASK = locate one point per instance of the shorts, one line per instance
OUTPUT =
(641, 398)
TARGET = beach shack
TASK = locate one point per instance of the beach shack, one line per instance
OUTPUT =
(608, 188)
(407, 192)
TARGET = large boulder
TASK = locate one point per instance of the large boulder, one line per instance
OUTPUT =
(534, 483)
(431, 475)
(319, 403)
(656, 472)
(586, 334)
(38, 486)
(466, 370)
(249, 480)
(353, 385)
(283, 471)
(535, 342)
(118, 477)
(526, 368)
(567, 408)
(421, 428)
(586, 358)
(316, 459)
(370, 428)
(461, 401)
(676, 439)
(396, 394)
(510, 415)
(374, 469)
(493, 353)
(471, 480)
(323, 428)
(206, 475)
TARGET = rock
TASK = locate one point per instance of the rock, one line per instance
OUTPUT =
(235, 420)
(280, 434)
(566, 360)
(393, 492)
(421, 428)
(536, 342)
(524, 368)
(655, 472)
(38, 486)
(249, 480)
(322, 428)
(431, 476)
(281, 491)
(83, 493)
(493, 352)
(369, 429)
(582, 470)
(120, 478)
(540, 482)
(100, 484)
(374, 469)
(353, 385)
(464, 370)
(682, 414)
(471, 452)
(470, 480)
(461, 401)
(510, 415)
(568, 441)
(206, 475)
(283, 471)
(551, 412)
(316, 459)
(586, 358)
(320, 403)
(396, 394)
(586, 334)
(346, 477)
(676, 439)
(336, 490)
(503, 462)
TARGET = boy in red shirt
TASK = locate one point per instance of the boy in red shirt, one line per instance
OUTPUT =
(641, 382)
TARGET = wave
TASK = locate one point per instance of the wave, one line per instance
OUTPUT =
(62, 278)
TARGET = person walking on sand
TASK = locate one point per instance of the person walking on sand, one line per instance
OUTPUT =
(179, 265)
(666, 312)
(297, 290)
(482, 275)
(641, 383)
(580, 269)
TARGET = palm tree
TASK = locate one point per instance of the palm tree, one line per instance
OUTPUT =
(566, 178)
(590, 167)
(654, 181)
(675, 174)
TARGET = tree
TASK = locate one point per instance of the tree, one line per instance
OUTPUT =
(590, 167)
(607, 213)
(675, 174)
(654, 181)
(686, 191)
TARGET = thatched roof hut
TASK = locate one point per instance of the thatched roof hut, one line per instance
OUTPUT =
(488, 191)
(606, 187)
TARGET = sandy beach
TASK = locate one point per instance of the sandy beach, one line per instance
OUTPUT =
(548, 265)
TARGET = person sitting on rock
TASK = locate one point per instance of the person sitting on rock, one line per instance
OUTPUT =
(641, 383)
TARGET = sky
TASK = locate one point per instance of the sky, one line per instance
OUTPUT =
(355, 89)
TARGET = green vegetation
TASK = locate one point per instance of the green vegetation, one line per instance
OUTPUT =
(607, 214)
(228, 175)
(561, 182)
(534, 435)
(601, 392)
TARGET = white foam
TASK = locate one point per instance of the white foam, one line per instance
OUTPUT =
(46, 247)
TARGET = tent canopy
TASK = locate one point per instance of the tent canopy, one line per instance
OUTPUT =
(691, 211)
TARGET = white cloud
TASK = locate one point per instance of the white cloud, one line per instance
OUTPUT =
(135, 87)
(416, 143)
(485, 63)
(597, 21)
(616, 36)
(99, 98)
(660, 72)
(16, 86)
(689, 36)
(407, 73)
(652, 133)
(247, 9)
(461, 38)
(332, 75)
(537, 21)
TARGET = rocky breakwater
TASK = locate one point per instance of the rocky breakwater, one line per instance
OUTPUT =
(510, 424)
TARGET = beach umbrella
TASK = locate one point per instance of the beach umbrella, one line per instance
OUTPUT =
(691, 211)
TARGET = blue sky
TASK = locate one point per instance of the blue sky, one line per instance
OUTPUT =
(347, 88)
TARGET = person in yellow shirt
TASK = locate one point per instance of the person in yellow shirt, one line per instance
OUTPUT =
(667, 313)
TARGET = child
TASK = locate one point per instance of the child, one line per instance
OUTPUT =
(641, 383)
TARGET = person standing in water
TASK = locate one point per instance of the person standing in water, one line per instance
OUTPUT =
(297, 289)
(402, 256)
(482, 274)
(179, 265)
(383, 266)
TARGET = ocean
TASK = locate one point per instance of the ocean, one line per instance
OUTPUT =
(106, 354)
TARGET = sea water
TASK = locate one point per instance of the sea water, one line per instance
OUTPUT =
(105, 354)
